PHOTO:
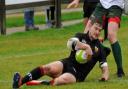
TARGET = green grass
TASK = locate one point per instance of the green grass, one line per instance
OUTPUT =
(40, 19)
(24, 51)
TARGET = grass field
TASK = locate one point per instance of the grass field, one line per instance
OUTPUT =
(39, 18)
(25, 50)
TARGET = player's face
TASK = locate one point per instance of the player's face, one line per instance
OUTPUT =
(94, 32)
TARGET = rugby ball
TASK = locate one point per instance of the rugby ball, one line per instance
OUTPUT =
(81, 56)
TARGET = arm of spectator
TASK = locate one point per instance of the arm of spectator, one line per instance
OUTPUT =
(74, 4)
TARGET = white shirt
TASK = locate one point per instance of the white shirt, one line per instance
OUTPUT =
(108, 3)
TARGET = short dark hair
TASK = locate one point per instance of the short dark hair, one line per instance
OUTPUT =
(94, 20)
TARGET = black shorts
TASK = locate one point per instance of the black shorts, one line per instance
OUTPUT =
(100, 12)
(69, 68)
(88, 8)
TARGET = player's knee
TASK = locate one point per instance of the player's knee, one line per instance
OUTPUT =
(60, 81)
(45, 68)
(64, 80)
(112, 37)
(57, 81)
(67, 80)
(112, 40)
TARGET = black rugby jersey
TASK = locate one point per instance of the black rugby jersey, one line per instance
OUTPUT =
(84, 69)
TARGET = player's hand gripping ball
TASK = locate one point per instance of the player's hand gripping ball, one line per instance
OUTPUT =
(82, 57)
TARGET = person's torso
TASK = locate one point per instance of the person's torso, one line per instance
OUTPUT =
(108, 3)
(90, 64)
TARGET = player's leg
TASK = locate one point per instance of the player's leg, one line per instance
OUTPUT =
(85, 15)
(88, 8)
(113, 27)
(53, 69)
(66, 78)
(97, 16)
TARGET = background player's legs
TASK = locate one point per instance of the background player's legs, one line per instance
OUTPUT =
(112, 36)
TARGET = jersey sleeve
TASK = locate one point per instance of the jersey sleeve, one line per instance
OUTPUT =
(71, 43)
(79, 36)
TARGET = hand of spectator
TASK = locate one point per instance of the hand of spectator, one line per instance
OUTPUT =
(74, 4)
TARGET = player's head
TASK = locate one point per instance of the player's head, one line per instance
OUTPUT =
(94, 31)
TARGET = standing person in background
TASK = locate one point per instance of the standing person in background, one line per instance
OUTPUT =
(29, 20)
(112, 9)
(88, 7)
(50, 16)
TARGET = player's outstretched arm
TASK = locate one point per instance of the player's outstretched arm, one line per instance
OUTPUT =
(105, 72)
